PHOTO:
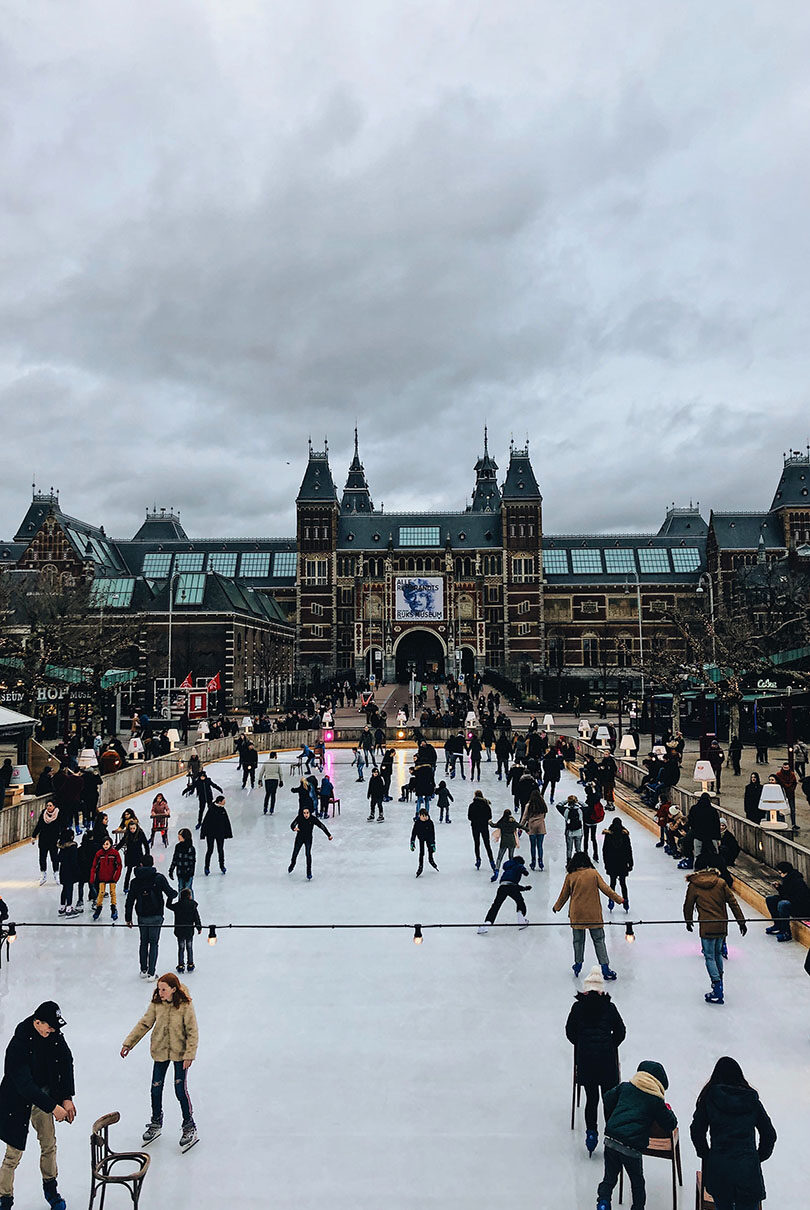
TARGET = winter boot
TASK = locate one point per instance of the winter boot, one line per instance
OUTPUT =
(152, 1131)
(591, 1139)
(715, 996)
(607, 974)
(576, 968)
(52, 1195)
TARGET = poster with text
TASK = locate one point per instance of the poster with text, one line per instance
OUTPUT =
(419, 599)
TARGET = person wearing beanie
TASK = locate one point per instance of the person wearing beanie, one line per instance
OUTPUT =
(634, 1110)
(708, 892)
(596, 1031)
(582, 886)
(37, 1089)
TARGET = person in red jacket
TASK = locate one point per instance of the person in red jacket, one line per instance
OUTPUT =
(105, 872)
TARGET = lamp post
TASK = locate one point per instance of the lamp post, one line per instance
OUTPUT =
(640, 634)
(699, 590)
(172, 580)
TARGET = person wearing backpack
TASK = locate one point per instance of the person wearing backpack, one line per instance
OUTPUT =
(572, 812)
(592, 815)
(147, 894)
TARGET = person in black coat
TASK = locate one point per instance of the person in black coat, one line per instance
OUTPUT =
(215, 830)
(87, 850)
(703, 822)
(479, 813)
(250, 759)
(424, 831)
(792, 898)
(37, 1088)
(47, 831)
(205, 794)
(186, 920)
(729, 1111)
(92, 781)
(376, 796)
(69, 872)
(617, 854)
(596, 1031)
(44, 782)
(132, 846)
(303, 825)
(751, 797)
(184, 860)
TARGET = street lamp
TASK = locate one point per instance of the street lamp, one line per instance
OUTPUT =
(172, 580)
(640, 634)
(699, 590)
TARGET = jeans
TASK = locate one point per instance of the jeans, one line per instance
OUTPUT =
(149, 928)
(506, 846)
(552, 783)
(185, 947)
(460, 759)
(503, 765)
(180, 1090)
(422, 800)
(536, 846)
(781, 910)
(699, 845)
(590, 834)
(598, 939)
(482, 834)
(270, 787)
(184, 884)
(713, 956)
(475, 768)
(573, 844)
(632, 1164)
(507, 890)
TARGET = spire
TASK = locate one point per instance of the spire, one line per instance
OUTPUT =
(486, 497)
(317, 483)
(356, 495)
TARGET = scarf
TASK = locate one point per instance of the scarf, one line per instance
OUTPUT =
(647, 1083)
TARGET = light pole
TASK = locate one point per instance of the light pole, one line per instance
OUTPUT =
(699, 590)
(172, 580)
(640, 635)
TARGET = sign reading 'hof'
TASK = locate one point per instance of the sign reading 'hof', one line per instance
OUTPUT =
(419, 599)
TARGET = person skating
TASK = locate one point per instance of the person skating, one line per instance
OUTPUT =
(304, 825)
(507, 827)
(37, 1089)
(250, 761)
(708, 892)
(147, 895)
(533, 821)
(424, 831)
(69, 872)
(133, 845)
(634, 1110)
(376, 796)
(514, 868)
(186, 920)
(184, 860)
(596, 1031)
(205, 794)
(443, 800)
(479, 813)
(271, 778)
(729, 1111)
(160, 816)
(593, 814)
(582, 886)
(87, 851)
(104, 873)
(474, 749)
(617, 856)
(572, 812)
(46, 834)
(215, 830)
(503, 754)
(326, 796)
(175, 1036)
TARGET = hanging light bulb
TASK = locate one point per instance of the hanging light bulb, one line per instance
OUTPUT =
(417, 934)
(212, 934)
(11, 931)
(629, 935)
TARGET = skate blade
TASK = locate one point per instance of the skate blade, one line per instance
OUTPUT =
(188, 1146)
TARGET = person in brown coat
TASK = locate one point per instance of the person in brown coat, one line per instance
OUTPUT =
(533, 821)
(708, 892)
(582, 886)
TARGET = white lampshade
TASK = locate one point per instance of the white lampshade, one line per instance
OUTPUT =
(704, 771)
(247, 723)
(628, 744)
(583, 727)
(660, 750)
(135, 747)
(602, 733)
(202, 729)
(20, 776)
(548, 720)
(87, 758)
(173, 736)
(773, 801)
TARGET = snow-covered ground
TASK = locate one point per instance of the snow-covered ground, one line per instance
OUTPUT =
(353, 1069)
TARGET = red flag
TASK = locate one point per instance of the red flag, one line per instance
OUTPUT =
(213, 685)
(187, 683)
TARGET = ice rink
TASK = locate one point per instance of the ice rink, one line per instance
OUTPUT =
(349, 1070)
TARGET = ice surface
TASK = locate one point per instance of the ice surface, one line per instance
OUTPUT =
(353, 1070)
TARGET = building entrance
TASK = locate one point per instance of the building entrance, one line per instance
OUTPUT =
(420, 653)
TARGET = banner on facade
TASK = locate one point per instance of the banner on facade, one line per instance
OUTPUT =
(419, 599)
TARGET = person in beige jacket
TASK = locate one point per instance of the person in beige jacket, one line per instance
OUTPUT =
(171, 1018)
(533, 821)
(582, 886)
(708, 893)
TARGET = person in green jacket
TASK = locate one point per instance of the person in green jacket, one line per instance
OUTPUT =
(632, 1109)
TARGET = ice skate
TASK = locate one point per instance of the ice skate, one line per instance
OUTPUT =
(591, 1139)
(576, 968)
(44, 879)
(607, 974)
(153, 1130)
(715, 996)
(52, 1195)
(62, 910)
(483, 928)
(188, 1138)
(114, 913)
(96, 913)
(524, 921)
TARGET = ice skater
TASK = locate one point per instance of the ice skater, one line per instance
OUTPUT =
(729, 1110)
(479, 813)
(170, 1016)
(68, 872)
(104, 873)
(160, 815)
(376, 796)
(46, 833)
(186, 920)
(303, 825)
(617, 855)
(215, 830)
(596, 1031)
(582, 886)
(708, 892)
(632, 1110)
(572, 812)
(184, 861)
(135, 846)
(513, 870)
(533, 821)
(270, 777)
(424, 831)
(443, 800)
(507, 829)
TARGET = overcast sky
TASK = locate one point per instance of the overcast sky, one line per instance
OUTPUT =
(227, 226)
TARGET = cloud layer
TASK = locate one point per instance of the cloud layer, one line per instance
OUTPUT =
(225, 227)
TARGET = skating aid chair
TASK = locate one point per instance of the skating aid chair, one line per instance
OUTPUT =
(103, 1158)
(666, 1147)
(576, 1093)
(704, 1199)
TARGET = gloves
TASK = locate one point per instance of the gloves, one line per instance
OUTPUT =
(743, 929)
(690, 927)
(433, 848)
(413, 847)
(527, 887)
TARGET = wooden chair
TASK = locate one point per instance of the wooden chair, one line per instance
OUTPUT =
(103, 1159)
(666, 1147)
(296, 766)
(335, 805)
(704, 1199)
(576, 1093)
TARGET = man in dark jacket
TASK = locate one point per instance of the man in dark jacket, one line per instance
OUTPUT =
(479, 813)
(250, 759)
(703, 822)
(503, 753)
(147, 894)
(37, 1087)
(792, 898)
(634, 1110)
(424, 831)
(205, 794)
(92, 781)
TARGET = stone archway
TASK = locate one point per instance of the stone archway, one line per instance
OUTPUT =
(425, 650)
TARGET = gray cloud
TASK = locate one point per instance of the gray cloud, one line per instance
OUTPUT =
(224, 229)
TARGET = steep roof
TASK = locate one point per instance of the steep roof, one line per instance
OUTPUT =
(741, 531)
(684, 523)
(487, 496)
(161, 526)
(356, 494)
(794, 484)
(520, 482)
(317, 483)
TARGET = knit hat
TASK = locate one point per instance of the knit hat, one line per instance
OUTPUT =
(594, 981)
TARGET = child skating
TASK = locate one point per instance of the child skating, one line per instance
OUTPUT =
(513, 870)
(443, 799)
